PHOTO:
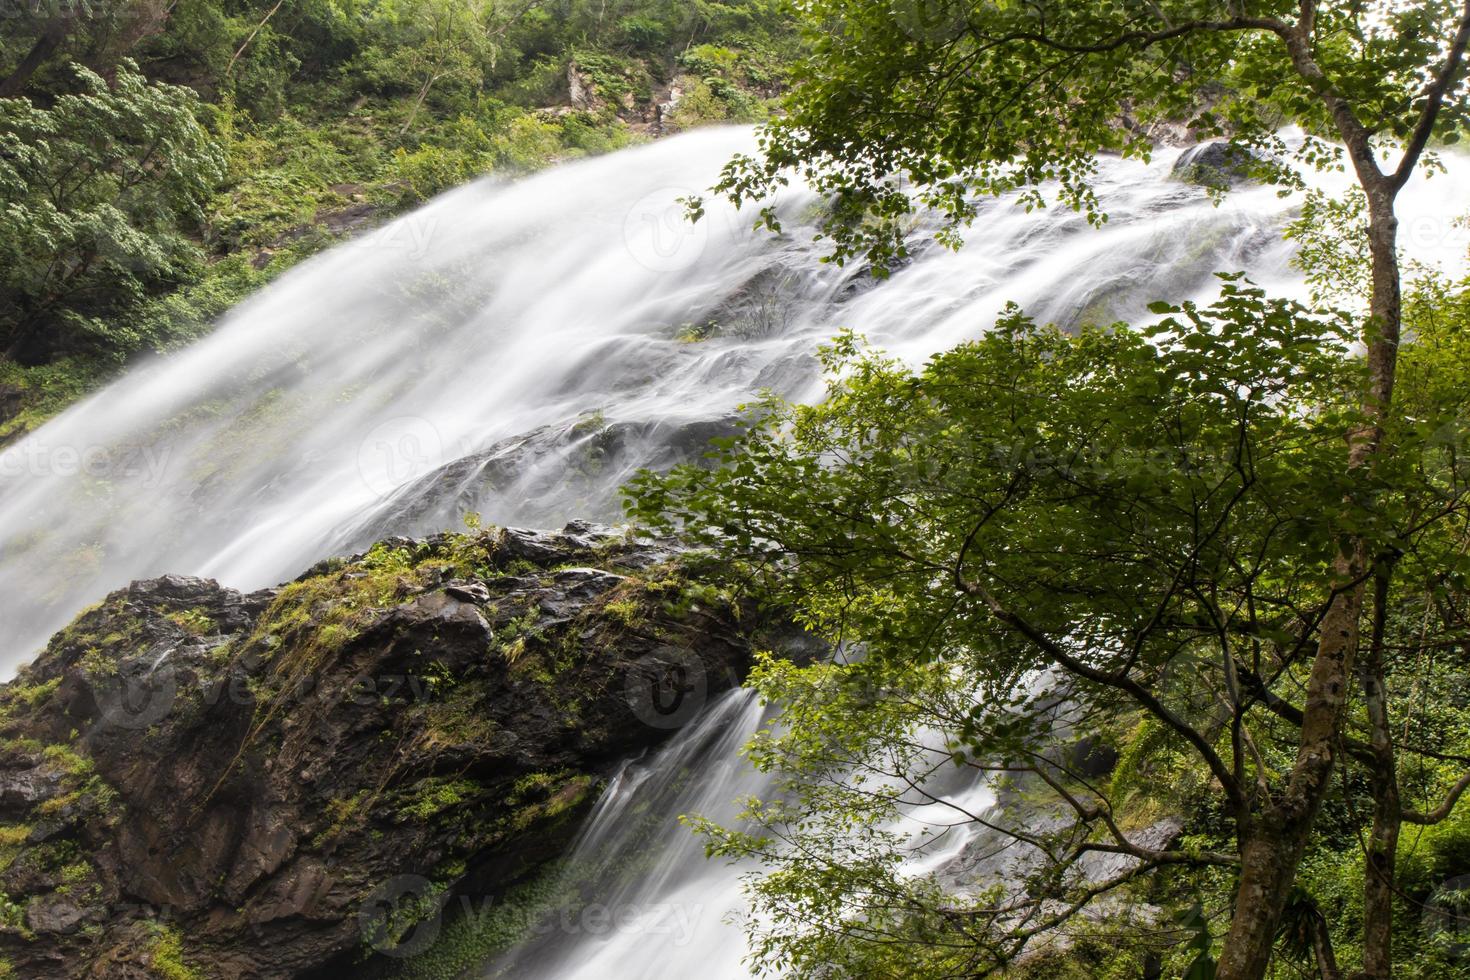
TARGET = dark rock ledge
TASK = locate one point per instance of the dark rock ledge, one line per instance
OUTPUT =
(196, 782)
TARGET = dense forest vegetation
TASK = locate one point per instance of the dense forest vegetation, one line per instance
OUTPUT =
(159, 161)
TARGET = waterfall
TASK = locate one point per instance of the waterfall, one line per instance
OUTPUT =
(645, 885)
(651, 906)
(519, 350)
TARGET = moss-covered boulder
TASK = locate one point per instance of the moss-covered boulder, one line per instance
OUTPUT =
(199, 782)
(1218, 165)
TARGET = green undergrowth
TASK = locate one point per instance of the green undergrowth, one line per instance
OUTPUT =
(329, 123)
(166, 951)
(35, 394)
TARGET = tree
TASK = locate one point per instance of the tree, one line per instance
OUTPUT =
(432, 43)
(1144, 524)
(428, 43)
(929, 104)
(98, 190)
(99, 34)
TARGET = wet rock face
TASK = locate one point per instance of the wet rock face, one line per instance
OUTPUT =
(10, 402)
(190, 775)
(554, 470)
(1218, 165)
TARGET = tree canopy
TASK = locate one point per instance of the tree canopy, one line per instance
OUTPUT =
(1042, 540)
(928, 103)
(910, 107)
(100, 189)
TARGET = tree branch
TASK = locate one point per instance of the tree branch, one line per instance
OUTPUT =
(1434, 97)
(1125, 684)
(258, 27)
(1146, 39)
(1444, 809)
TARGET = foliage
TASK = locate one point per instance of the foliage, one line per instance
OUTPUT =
(433, 796)
(937, 103)
(167, 954)
(318, 107)
(935, 106)
(700, 106)
(42, 391)
(98, 189)
(1002, 421)
(1041, 538)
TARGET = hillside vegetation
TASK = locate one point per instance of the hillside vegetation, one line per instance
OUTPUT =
(160, 161)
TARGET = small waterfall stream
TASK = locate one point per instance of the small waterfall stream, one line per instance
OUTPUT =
(663, 916)
(519, 350)
(650, 906)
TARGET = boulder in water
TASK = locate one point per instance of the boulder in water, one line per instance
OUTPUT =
(1219, 164)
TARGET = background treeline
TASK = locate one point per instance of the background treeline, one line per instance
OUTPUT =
(159, 159)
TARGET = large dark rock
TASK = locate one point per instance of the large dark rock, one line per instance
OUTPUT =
(191, 777)
(1219, 164)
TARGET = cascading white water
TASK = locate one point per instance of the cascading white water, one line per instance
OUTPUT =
(665, 902)
(532, 340)
(518, 350)
(649, 906)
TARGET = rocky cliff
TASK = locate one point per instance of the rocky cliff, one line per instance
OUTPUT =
(196, 782)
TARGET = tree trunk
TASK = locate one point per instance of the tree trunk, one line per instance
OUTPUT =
(1386, 313)
(1269, 855)
(1273, 843)
(51, 37)
(1385, 317)
(1380, 870)
(1322, 949)
(1380, 867)
(1272, 847)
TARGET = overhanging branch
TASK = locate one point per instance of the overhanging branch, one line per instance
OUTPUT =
(1434, 101)
(1444, 809)
(1125, 684)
